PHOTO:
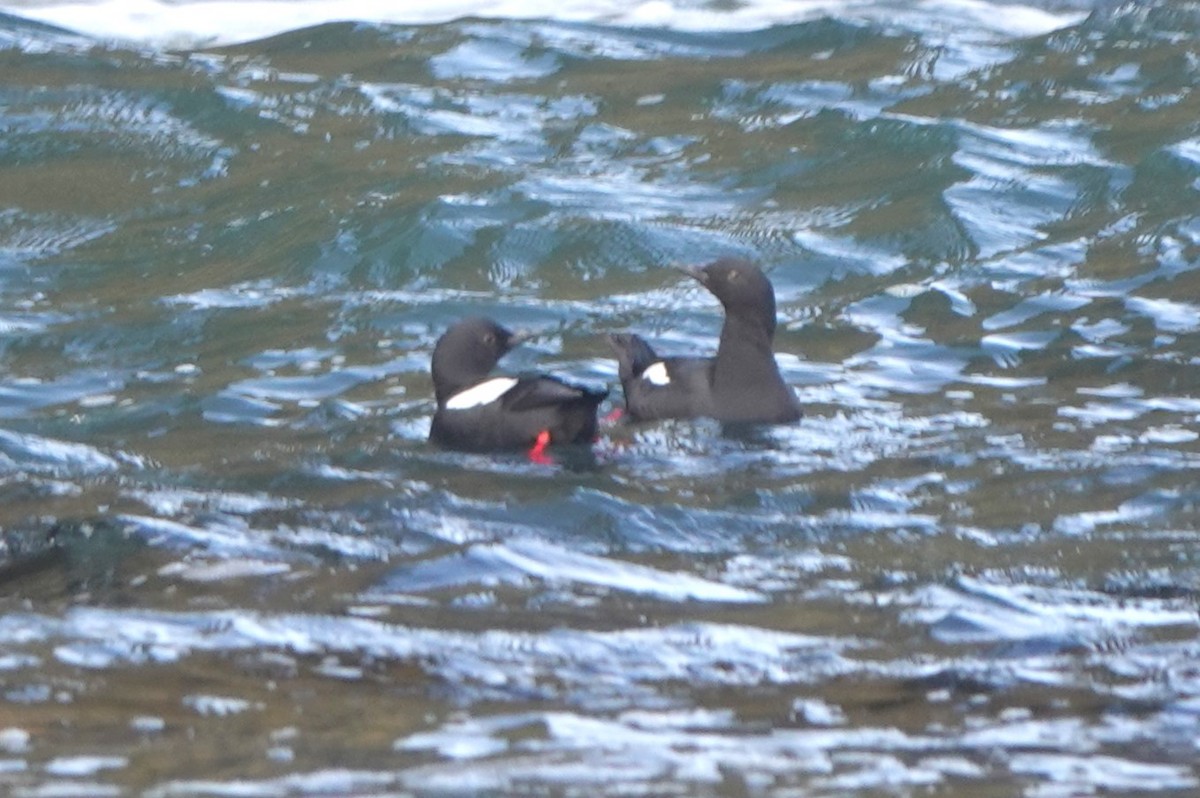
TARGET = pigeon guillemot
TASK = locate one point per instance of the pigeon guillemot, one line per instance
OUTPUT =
(661, 387)
(477, 412)
(741, 384)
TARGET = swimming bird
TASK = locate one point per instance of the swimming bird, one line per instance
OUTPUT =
(661, 387)
(479, 412)
(741, 384)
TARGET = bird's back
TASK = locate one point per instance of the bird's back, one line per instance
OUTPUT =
(661, 387)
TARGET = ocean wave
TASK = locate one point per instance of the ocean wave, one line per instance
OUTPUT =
(185, 25)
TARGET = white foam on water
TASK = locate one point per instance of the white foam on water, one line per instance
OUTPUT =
(227, 536)
(35, 453)
(1167, 315)
(701, 653)
(516, 560)
(254, 295)
(84, 765)
(980, 611)
(14, 740)
(214, 22)
(1079, 773)
(223, 570)
(219, 705)
(168, 502)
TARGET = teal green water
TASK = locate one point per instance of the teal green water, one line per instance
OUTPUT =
(971, 569)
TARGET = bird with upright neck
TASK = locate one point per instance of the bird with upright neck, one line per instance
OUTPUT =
(746, 384)
(479, 412)
(741, 384)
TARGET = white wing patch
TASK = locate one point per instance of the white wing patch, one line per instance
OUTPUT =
(657, 374)
(484, 393)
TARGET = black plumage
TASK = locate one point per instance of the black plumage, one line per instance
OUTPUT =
(741, 384)
(661, 387)
(479, 412)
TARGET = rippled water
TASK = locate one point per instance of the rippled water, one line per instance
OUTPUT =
(970, 570)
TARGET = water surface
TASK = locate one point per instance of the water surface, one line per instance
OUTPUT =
(971, 569)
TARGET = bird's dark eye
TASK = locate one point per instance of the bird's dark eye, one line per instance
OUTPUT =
(734, 275)
(489, 339)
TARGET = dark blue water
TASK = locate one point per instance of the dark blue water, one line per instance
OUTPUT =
(232, 564)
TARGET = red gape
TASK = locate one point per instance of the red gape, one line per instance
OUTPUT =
(538, 453)
(613, 416)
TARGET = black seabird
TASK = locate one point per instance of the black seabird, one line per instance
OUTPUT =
(480, 413)
(661, 387)
(741, 384)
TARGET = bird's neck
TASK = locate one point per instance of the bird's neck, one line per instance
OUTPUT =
(744, 335)
(744, 350)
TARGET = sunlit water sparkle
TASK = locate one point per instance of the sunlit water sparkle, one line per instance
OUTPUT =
(969, 570)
